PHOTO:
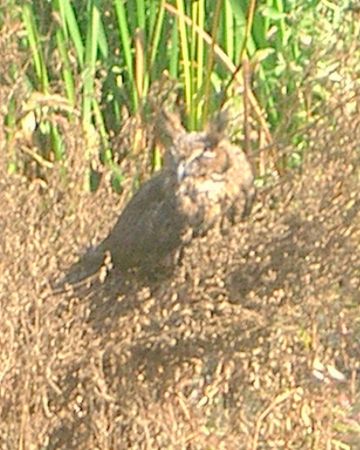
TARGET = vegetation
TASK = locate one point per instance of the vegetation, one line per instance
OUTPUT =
(99, 63)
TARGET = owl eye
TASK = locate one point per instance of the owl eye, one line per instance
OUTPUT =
(208, 153)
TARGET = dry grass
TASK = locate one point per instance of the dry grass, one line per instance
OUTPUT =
(253, 343)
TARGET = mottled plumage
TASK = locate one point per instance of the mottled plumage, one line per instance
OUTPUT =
(205, 181)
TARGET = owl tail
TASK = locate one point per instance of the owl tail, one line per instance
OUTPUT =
(88, 265)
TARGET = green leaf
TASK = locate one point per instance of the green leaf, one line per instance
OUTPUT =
(272, 13)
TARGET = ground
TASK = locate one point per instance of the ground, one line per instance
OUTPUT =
(252, 343)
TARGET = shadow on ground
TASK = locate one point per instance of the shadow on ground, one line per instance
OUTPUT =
(260, 320)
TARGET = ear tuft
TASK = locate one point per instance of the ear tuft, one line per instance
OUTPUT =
(217, 127)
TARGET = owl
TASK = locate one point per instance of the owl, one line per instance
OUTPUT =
(205, 181)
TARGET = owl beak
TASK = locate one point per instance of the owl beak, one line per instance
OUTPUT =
(181, 172)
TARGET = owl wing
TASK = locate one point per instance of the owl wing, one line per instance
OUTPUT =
(150, 225)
